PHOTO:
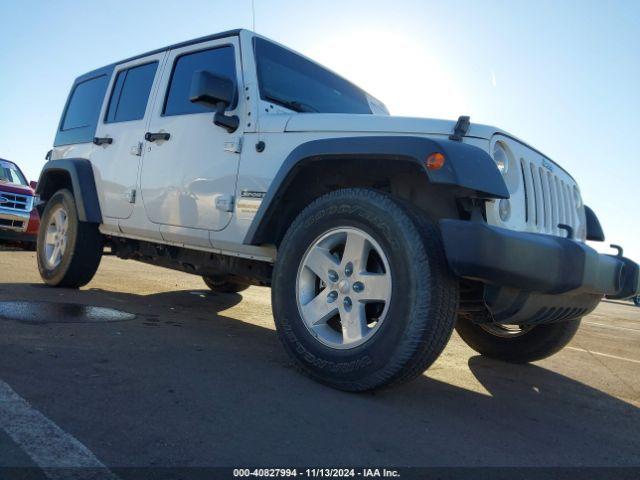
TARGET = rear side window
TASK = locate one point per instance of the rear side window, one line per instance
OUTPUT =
(82, 111)
(84, 105)
(219, 60)
(131, 93)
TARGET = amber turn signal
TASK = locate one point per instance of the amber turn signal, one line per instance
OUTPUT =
(435, 161)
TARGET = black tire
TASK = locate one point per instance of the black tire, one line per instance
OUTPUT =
(424, 294)
(636, 300)
(538, 342)
(220, 284)
(83, 250)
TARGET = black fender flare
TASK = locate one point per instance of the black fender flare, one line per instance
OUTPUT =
(465, 166)
(594, 229)
(83, 186)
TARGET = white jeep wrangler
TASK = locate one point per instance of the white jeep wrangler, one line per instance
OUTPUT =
(237, 159)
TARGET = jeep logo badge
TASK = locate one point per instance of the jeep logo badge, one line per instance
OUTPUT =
(547, 164)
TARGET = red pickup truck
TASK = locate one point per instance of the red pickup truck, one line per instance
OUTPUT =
(19, 220)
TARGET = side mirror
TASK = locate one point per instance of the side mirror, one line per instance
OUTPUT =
(33, 184)
(213, 91)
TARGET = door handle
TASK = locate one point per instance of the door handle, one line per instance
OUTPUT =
(102, 140)
(152, 137)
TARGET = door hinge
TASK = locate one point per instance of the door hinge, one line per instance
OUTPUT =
(233, 146)
(224, 202)
(131, 195)
(137, 149)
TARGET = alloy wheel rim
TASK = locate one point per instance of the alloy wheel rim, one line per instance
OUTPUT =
(343, 288)
(506, 331)
(56, 237)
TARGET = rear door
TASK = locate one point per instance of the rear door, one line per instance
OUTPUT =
(184, 175)
(120, 133)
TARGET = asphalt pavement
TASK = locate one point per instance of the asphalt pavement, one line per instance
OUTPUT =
(145, 367)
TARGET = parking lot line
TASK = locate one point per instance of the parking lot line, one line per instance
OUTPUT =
(615, 327)
(603, 354)
(50, 447)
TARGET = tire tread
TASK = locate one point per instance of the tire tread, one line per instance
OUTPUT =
(86, 248)
(436, 295)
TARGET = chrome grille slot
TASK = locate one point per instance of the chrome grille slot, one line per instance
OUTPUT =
(548, 200)
(16, 201)
(568, 220)
(553, 202)
(537, 195)
(542, 194)
(563, 203)
(560, 200)
(571, 205)
(529, 206)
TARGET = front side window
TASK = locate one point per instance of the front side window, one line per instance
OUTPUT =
(131, 93)
(84, 106)
(220, 61)
(10, 173)
(298, 84)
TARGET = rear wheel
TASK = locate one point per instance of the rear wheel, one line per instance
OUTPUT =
(68, 250)
(517, 343)
(221, 284)
(362, 296)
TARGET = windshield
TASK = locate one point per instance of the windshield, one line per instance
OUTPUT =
(289, 80)
(10, 173)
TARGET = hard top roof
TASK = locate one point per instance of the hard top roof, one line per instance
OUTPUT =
(206, 38)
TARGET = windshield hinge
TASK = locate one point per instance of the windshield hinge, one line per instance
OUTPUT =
(131, 195)
(234, 145)
(461, 128)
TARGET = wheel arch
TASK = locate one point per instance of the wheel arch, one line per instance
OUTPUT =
(394, 164)
(76, 174)
(594, 229)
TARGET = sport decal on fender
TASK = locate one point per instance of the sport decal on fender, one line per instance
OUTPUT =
(249, 203)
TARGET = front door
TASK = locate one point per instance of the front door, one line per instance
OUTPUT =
(186, 166)
(120, 130)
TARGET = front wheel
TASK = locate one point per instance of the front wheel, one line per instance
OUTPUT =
(517, 343)
(68, 250)
(361, 293)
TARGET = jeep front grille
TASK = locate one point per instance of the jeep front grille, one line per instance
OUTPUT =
(549, 201)
(23, 203)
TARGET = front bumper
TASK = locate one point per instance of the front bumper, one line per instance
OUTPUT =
(11, 219)
(535, 262)
(13, 236)
(16, 226)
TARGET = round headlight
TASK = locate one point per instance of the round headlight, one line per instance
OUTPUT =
(501, 158)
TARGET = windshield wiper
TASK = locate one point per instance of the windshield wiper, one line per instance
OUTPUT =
(294, 105)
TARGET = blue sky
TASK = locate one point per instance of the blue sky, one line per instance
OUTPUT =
(562, 75)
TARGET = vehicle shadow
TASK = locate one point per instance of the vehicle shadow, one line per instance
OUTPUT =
(220, 391)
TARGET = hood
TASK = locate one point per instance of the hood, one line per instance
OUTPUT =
(345, 123)
(338, 122)
(13, 188)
